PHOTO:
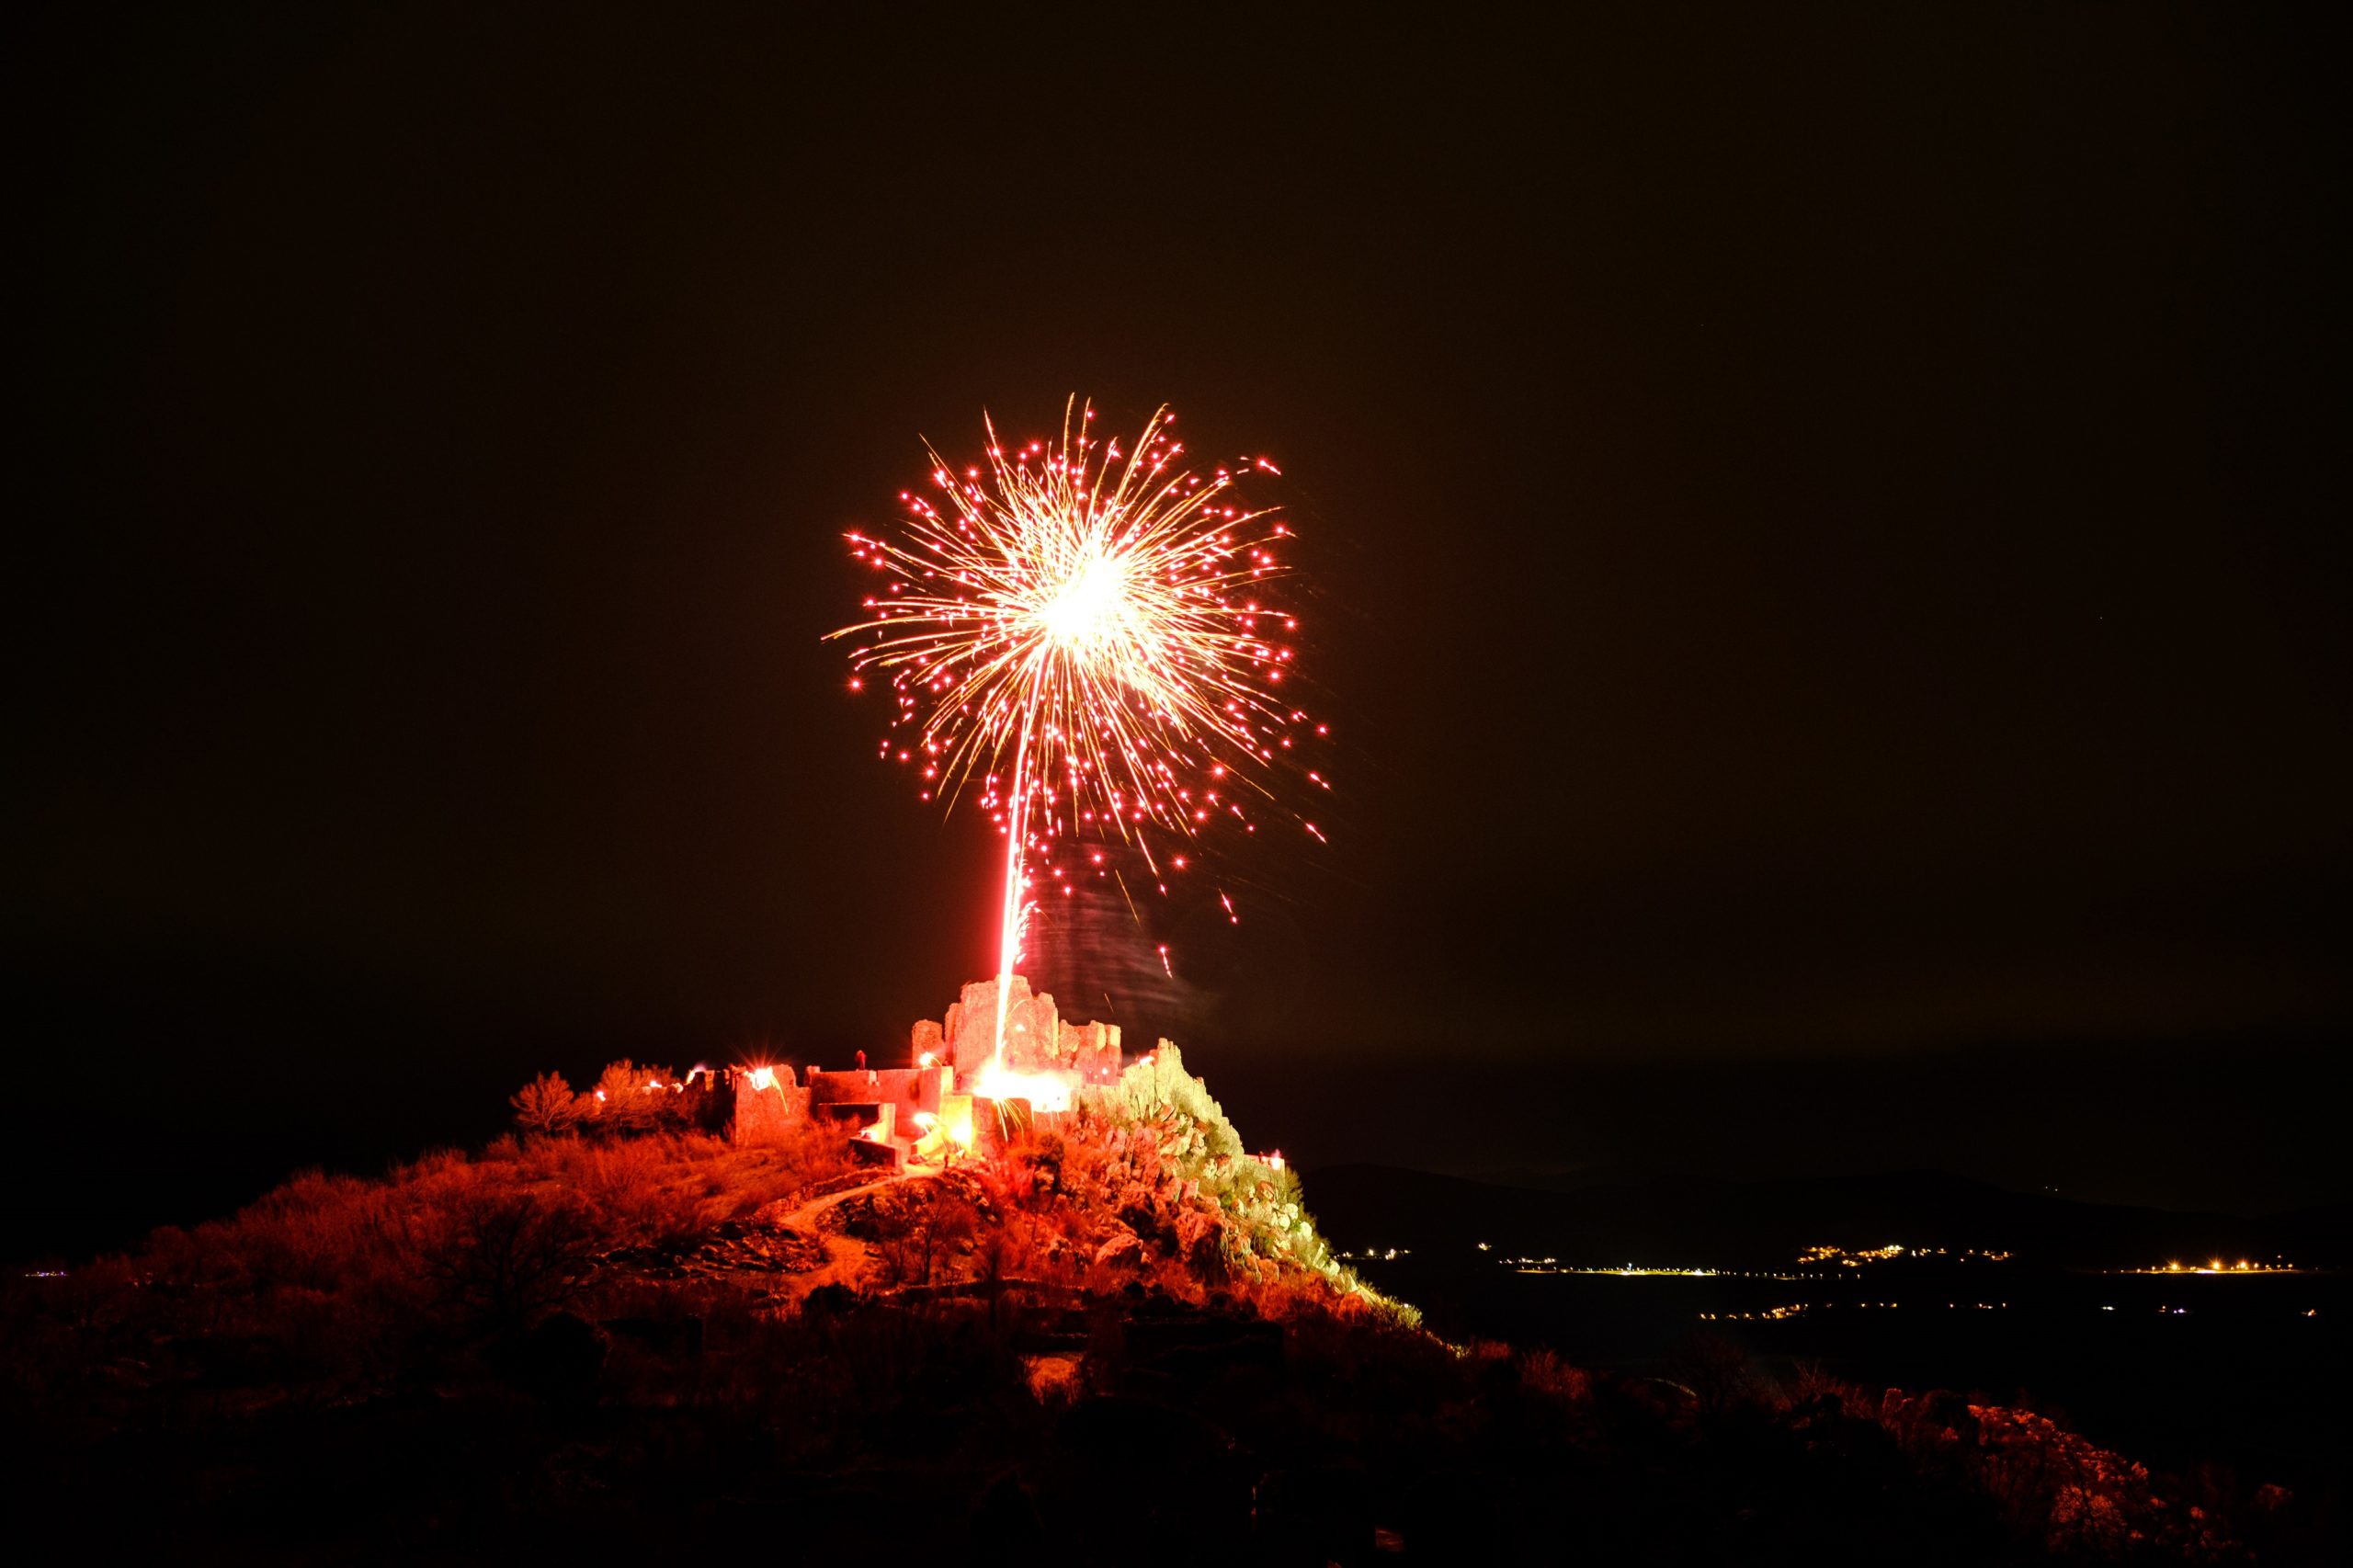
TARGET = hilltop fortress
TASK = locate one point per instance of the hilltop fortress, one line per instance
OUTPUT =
(922, 1112)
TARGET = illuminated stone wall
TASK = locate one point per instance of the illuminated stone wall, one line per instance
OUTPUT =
(770, 1111)
(1037, 1038)
(910, 1088)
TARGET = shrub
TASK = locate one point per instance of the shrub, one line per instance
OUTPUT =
(509, 1256)
(1543, 1371)
(547, 1106)
(936, 1222)
(628, 1099)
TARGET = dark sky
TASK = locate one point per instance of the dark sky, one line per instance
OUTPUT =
(1824, 536)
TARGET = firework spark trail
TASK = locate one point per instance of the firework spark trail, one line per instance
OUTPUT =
(1089, 611)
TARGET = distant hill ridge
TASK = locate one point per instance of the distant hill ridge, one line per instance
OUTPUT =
(1668, 1220)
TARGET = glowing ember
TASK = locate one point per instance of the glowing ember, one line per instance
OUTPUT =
(1091, 613)
(958, 1124)
(1044, 1091)
(948, 1135)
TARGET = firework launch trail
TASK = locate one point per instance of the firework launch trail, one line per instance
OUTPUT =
(1096, 614)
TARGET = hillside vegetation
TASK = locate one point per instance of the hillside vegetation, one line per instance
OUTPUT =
(1117, 1339)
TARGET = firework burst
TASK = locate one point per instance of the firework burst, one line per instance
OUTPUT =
(1074, 631)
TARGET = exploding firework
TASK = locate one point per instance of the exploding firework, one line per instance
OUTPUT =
(1074, 633)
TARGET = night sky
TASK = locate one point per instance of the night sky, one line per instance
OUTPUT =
(1823, 548)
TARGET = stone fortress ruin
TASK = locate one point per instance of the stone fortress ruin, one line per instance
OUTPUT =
(925, 1112)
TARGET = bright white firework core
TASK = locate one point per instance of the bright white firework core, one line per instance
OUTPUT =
(1090, 605)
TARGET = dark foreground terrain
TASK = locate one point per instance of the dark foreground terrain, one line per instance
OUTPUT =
(915, 1428)
(1114, 1341)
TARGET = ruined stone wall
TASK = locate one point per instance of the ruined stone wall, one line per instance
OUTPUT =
(1037, 1040)
(1092, 1050)
(927, 1040)
(911, 1088)
(768, 1114)
(1031, 1029)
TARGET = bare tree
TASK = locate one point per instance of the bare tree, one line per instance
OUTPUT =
(546, 1105)
(913, 1252)
(623, 1100)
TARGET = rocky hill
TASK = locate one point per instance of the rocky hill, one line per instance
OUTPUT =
(1109, 1336)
